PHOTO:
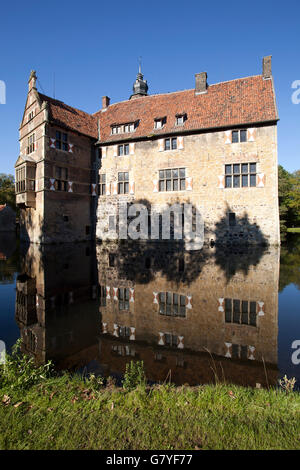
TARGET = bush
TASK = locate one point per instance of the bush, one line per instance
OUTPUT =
(134, 375)
(19, 370)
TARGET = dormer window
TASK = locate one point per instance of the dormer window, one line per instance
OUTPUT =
(159, 122)
(116, 129)
(121, 128)
(129, 127)
(180, 118)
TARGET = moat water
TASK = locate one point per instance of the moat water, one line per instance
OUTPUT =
(190, 316)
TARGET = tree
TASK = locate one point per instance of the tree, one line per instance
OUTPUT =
(289, 198)
(7, 190)
(294, 197)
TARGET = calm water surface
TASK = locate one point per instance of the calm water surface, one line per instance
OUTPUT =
(190, 316)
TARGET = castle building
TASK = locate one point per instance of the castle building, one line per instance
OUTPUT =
(214, 146)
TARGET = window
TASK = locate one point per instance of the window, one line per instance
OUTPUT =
(239, 351)
(129, 127)
(20, 180)
(171, 340)
(116, 129)
(231, 219)
(25, 178)
(240, 175)
(171, 143)
(159, 122)
(121, 350)
(123, 298)
(239, 136)
(123, 150)
(180, 362)
(241, 312)
(123, 183)
(124, 331)
(172, 179)
(159, 357)
(102, 185)
(66, 218)
(102, 293)
(30, 115)
(61, 178)
(61, 141)
(172, 304)
(180, 119)
(30, 144)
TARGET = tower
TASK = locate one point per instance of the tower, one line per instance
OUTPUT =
(140, 87)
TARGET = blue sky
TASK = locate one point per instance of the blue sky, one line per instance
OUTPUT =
(92, 48)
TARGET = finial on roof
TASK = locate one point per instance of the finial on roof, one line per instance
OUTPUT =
(32, 80)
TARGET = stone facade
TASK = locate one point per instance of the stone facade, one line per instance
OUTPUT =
(54, 185)
(204, 156)
(222, 136)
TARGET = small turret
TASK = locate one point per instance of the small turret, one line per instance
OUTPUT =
(140, 87)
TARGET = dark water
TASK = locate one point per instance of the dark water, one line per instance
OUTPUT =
(191, 316)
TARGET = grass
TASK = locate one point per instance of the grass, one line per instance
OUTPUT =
(294, 230)
(68, 412)
(65, 413)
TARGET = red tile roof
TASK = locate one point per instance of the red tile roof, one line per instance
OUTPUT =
(71, 118)
(243, 101)
(247, 100)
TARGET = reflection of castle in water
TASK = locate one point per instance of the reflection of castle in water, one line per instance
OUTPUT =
(187, 315)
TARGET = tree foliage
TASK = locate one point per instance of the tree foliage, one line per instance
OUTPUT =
(289, 198)
(7, 190)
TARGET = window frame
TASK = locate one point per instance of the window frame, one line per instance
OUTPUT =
(123, 183)
(239, 133)
(170, 179)
(61, 184)
(181, 117)
(123, 150)
(61, 141)
(171, 141)
(238, 174)
(123, 298)
(30, 144)
(102, 184)
(169, 306)
(159, 123)
(235, 312)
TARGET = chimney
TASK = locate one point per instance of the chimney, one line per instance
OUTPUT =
(32, 80)
(201, 83)
(267, 67)
(105, 102)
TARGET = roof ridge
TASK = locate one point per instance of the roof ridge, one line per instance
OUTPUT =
(179, 91)
(53, 100)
